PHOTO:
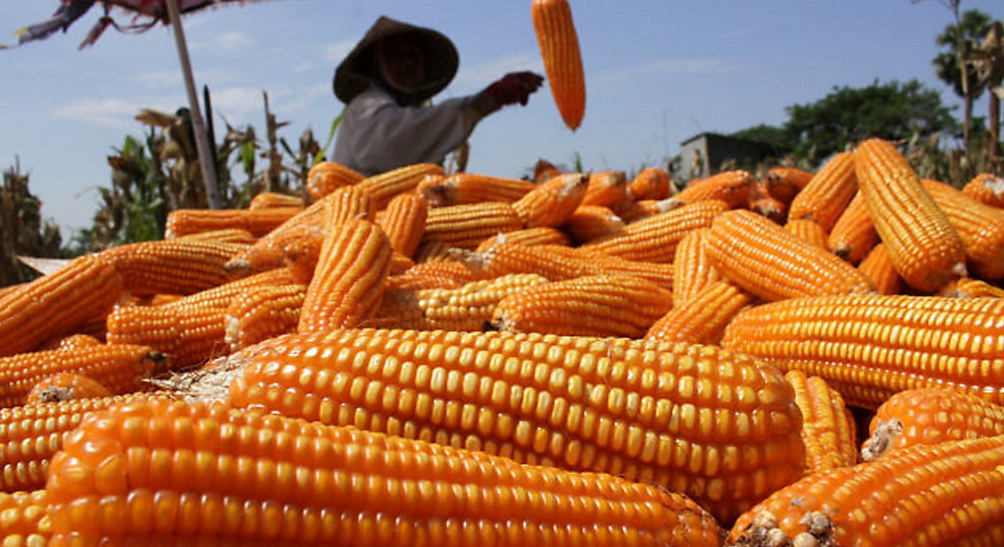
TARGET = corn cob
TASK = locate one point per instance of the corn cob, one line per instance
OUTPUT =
(271, 252)
(605, 188)
(437, 274)
(272, 200)
(935, 496)
(403, 222)
(930, 416)
(466, 226)
(191, 330)
(25, 521)
(633, 210)
(808, 230)
(178, 266)
(925, 249)
(829, 431)
(853, 235)
(828, 193)
(654, 239)
(466, 308)
(31, 434)
(869, 347)
(259, 313)
(650, 183)
(764, 204)
(559, 50)
(544, 170)
(980, 226)
(182, 222)
(785, 182)
(345, 204)
(702, 319)
(240, 478)
(714, 425)
(591, 305)
(57, 304)
(877, 266)
(732, 187)
(967, 287)
(542, 235)
(552, 203)
(121, 368)
(323, 177)
(986, 188)
(589, 222)
(348, 284)
(71, 341)
(773, 264)
(692, 270)
(382, 187)
(467, 188)
(226, 235)
(509, 258)
(65, 386)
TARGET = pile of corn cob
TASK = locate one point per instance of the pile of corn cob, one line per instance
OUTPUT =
(417, 358)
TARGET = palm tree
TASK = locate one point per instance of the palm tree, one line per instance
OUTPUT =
(988, 61)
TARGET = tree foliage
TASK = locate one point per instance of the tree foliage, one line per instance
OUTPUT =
(959, 40)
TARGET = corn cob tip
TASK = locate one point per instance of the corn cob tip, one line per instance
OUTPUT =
(237, 266)
(765, 532)
(881, 439)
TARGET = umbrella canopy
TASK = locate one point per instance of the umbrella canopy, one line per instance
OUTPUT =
(145, 14)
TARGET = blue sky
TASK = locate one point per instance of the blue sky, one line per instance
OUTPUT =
(657, 73)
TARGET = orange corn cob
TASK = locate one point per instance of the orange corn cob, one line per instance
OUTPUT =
(541, 235)
(605, 188)
(692, 270)
(347, 286)
(182, 222)
(345, 204)
(774, 264)
(785, 182)
(654, 239)
(809, 230)
(764, 204)
(732, 187)
(650, 183)
(404, 222)
(980, 226)
(226, 235)
(589, 222)
(467, 188)
(436, 274)
(270, 252)
(121, 368)
(935, 496)
(552, 203)
(967, 287)
(717, 426)
(986, 188)
(25, 519)
(56, 304)
(544, 170)
(592, 305)
(191, 330)
(465, 308)
(382, 187)
(702, 319)
(869, 347)
(930, 416)
(633, 210)
(924, 247)
(31, 434)
(178, 474)
(259, 313)
(559, 49)
(466, 226)
(65, 386)
(325, 176)
(853, 236)
(877, 266)
(828, 428)
(433, 251)
(602, 264)
(828, 193)
(71, 341)
(178, 266)
(272, 200)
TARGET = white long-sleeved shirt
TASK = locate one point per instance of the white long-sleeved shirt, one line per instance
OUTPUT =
(376, 134)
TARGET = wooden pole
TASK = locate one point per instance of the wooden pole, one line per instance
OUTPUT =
(206, 160)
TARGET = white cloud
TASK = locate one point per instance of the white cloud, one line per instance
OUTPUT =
(474, 77)
(233, 40)
(119, 113)
(161, 78)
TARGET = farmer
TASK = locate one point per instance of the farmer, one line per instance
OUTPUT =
(387, 82)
